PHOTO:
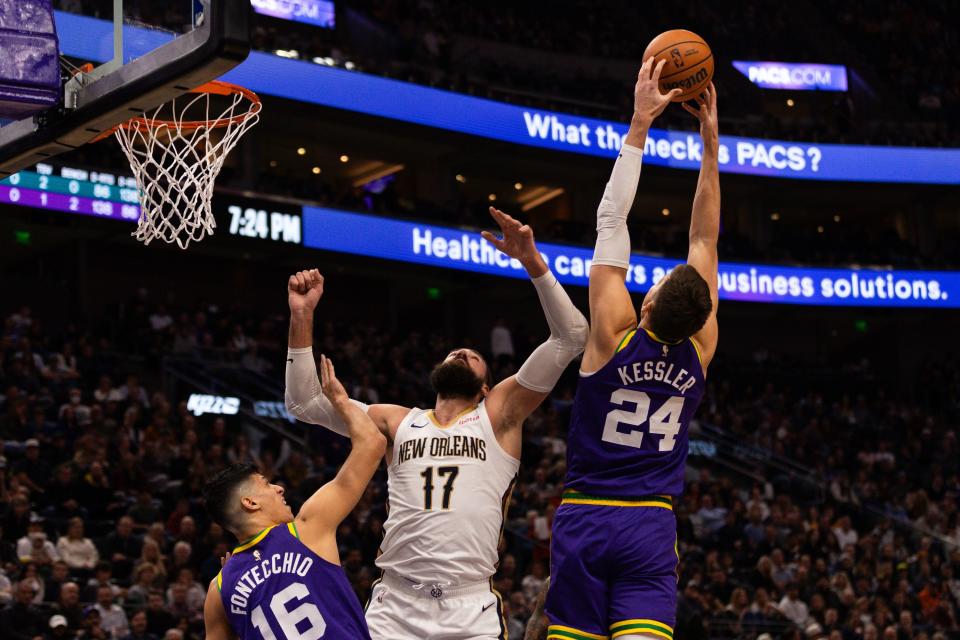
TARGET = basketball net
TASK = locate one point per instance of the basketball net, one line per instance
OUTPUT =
(176, 160)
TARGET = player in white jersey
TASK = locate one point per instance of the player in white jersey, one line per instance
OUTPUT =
(450, 468)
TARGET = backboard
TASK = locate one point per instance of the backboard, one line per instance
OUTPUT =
(148, 52)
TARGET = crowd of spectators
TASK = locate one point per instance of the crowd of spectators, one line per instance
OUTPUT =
(104, 535)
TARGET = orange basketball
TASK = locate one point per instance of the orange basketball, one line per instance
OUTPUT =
(689, 62)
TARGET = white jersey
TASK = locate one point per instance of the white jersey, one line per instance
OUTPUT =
(448, 489)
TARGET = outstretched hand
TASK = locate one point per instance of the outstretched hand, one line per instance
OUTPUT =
(706, 113)
(304, 290)
(648, 102)
(517, 241)
(332, 388)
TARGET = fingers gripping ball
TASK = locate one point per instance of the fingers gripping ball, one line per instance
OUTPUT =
(689, 62)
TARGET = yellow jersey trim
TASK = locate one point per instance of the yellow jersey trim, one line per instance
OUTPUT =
(639, 625)
(561, 632)
(625, 340)
(633, 621)
(638, 629)
(433, 417)
(220, 581)
(575, 497)
(696, 348)
(654, 337)
(253, 541)
(293, 529)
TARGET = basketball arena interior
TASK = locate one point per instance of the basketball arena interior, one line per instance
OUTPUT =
(822, 477)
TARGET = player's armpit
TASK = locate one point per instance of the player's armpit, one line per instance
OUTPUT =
(387, 417)
(508, 404)
(215, 617)
(612, 314)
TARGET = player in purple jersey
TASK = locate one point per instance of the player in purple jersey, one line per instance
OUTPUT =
(285, 581)
(613, 550)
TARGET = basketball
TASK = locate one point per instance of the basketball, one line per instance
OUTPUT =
(689, 62)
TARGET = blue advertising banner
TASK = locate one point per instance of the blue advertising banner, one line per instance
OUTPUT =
(795, 76)
(436, 246)
(316, 12)
(330, 87)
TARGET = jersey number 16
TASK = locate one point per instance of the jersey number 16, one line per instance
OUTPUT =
(665, 421)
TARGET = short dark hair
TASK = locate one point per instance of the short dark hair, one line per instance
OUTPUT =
(219, 492)
(682, 306)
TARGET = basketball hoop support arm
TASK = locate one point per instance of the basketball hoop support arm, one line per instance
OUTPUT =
(73, 86)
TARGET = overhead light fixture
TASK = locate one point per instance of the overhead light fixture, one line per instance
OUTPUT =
(287, 53)
(665, 212)
(273, 163)
(301, 151)
(542, 196)
(492, 197)
(316, 171)
(790, 102)
(460, 178)
(820, 228)
(344, 158)
(774, 216)
(836, 218)
(518, 186)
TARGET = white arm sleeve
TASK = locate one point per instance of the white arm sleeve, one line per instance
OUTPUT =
(304, 398)
(568, 337)
(613, 238)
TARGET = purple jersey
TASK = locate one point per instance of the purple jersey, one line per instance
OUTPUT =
(628, 428)
(275, 588)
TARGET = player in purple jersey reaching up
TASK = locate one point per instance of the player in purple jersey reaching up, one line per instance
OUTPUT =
(613, 550)
(285, 582)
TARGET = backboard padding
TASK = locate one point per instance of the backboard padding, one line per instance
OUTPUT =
(205, 53)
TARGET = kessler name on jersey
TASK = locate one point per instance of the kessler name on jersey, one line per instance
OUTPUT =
(660, 371)
(439, 447)
(278, 563)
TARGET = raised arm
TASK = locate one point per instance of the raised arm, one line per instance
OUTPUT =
(303, 396)
(512, 400)
(322, 513)
(611, 309)
(705, 219)
(215, 621)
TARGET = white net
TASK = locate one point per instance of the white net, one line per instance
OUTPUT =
(176, 160)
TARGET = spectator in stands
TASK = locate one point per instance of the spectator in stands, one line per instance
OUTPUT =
(59, 630)
(21, 619)
(77, 550)
(138, 627)
(102, 577)
(159, 619)
(32, 471)
(29, 575)
(6, 589)
(34, 546)
(91, 628)
(68, 605)
(59, 575)
(121, 547)
(113, 619)
(792, 607)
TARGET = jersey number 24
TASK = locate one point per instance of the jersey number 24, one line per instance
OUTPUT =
(665, 421)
